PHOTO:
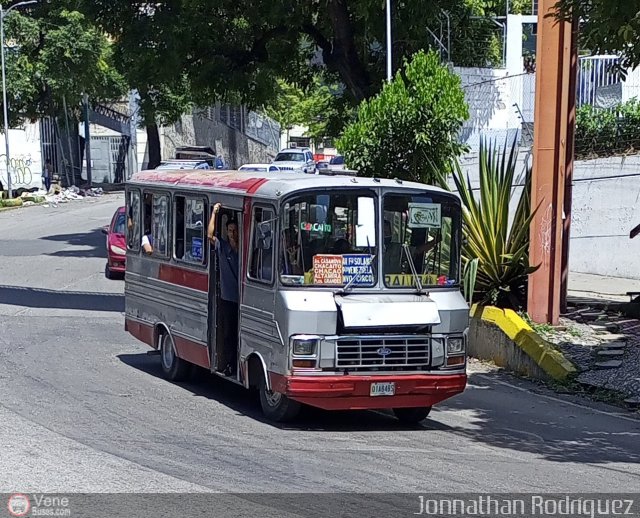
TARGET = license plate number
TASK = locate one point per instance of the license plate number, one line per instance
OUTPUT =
(383, 389)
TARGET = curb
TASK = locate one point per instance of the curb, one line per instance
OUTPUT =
(549, 359)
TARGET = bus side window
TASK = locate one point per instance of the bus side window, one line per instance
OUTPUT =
(261, 265)
(189, 229)
(160, 225)
(133, 221)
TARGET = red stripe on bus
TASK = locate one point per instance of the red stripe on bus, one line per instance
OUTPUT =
(204, 178)
(192, 352)
(258, 183)
(184, 277)
(142, 332)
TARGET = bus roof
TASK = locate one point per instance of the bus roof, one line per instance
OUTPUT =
(270, 184)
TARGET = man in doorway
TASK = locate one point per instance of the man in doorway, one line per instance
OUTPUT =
(227, 250)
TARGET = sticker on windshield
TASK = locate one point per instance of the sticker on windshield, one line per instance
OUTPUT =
(316, 227)
(406, 280)
(327, 269)
(424, 215)
(357, 266)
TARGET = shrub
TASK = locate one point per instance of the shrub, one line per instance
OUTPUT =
(409, 130)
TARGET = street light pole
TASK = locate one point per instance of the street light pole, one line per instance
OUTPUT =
(3, 13)
(389, 71)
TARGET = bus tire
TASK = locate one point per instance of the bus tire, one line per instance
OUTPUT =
(412, 415)
(276, 406)
(174, 368)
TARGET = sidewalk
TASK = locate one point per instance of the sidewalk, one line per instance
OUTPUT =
(585, 285)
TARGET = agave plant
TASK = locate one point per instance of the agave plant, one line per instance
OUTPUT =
(495, 253)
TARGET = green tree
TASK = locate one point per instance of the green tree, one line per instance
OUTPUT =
(409, 130)
(607, 27)
(230, 46)
(319, 106)
(54, 56)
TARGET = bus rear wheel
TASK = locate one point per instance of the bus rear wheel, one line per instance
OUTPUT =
(276, 406)
(174, 368)
(412, 415)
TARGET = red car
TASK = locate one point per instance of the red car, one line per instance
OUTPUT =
(116, 244)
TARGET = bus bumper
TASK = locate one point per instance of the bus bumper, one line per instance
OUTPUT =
(353, 392)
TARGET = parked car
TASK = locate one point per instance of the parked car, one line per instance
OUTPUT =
(337, 163)
(295, 159)
(116, 244)
(260, 168)
(183, 164)
(322, 165)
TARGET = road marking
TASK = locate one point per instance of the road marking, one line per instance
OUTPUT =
(563, 401)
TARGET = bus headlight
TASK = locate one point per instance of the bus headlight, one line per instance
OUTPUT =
(303, 346)
(455, 345)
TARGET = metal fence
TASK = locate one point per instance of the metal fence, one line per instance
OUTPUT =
(502, 107)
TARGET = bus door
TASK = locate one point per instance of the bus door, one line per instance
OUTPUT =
(223, 289)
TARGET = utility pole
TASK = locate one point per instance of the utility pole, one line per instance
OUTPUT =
(4, 13)
(556, 67)
(87, 138)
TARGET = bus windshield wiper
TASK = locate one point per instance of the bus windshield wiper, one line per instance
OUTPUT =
(412, 265)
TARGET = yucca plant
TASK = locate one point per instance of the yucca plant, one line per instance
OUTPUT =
(495, 253)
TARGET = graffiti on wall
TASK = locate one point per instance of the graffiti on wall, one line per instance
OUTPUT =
(19, 168)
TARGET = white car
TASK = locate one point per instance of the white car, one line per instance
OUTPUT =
(258, 168)
(295, 159)
(173, 164)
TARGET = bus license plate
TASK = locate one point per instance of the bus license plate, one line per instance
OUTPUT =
(383, 389)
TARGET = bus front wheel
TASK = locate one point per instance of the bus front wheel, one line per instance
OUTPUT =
(276, 406)
(174, 368)
(412, 415)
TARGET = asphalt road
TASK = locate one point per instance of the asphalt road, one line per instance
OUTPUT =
(83, 407)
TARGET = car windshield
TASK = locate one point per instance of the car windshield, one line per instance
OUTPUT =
(329, 240)
(430, 227)
(337, 160)
(289, 157)
(119, 226)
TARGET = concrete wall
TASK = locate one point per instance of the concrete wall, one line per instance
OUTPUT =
(491, 95)
(199, 130)
(606, 192)
(488, 342)
(25, 157)
(606, 195)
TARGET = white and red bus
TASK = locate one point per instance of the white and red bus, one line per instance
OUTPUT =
(348, 288)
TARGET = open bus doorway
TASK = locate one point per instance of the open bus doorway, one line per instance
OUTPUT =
(224, 289)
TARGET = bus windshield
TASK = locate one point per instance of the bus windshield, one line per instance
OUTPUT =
(329, 240)
(424, 229)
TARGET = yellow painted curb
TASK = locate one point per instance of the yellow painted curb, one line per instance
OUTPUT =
(533, 345)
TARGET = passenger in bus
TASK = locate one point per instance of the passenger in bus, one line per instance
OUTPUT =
(147, 238)
(393, 255)
(227, 251)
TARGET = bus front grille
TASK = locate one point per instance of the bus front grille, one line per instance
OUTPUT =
(383, 353)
